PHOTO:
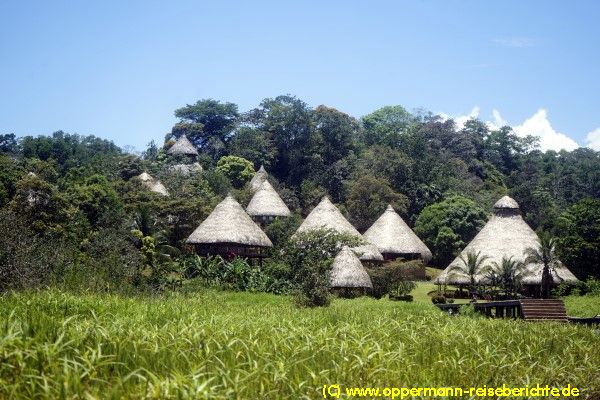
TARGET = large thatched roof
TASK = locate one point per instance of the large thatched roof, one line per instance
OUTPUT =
(259, 177)
(153, 184)
(326, 215)
(186, 169)
(348, 272)
(391, 235)
(267, 203)
(229, 223)
(183, 146)
(506, 234)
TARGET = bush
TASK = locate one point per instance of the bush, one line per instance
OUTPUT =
(309, 256)
(438, 299)
(238, 274)
(391, 277)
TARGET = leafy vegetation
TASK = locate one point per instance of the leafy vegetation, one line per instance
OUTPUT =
(213, 344)
(79, 193)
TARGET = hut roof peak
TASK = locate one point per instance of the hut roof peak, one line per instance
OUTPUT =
(259, 177)
(506, 202)
(266, 202)
(183, 146)
(347, 271)
(153, 184)
(326, 215)
(392, 235)
(229, 223)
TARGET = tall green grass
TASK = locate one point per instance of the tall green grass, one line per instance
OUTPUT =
(240, 345)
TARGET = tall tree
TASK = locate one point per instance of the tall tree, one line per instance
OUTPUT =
(448, 225)
(545, 255)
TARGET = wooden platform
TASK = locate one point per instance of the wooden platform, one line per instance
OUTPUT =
(527, 309)
(543, 310)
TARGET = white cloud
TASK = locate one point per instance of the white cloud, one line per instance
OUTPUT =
(539, 125)
(593, 139)
(462, 119)
(497, 122)
(518, 42)
(536, 125)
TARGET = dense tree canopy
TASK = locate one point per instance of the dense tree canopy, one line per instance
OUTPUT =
(441, 178)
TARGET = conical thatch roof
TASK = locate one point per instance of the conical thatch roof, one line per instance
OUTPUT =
(152, 184)
(259, 177)
(391, 235)
(326, 215)
(267, 203)
(186, 169)
(348, 272)
(183, 146)
(505, 235)
(229, 223)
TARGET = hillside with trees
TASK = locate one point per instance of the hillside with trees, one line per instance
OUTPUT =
(72, 211)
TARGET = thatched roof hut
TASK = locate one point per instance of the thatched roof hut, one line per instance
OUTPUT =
(266, 203)
(506, 234)
(154, 185)
(183, 146)
(259, 177)
(394, 238)
(186, 169)
(326, 215)
(348, 272)
(229, 229)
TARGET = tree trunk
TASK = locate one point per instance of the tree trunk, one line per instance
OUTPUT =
(546, 282)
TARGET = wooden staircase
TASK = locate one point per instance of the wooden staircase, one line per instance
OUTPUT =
(543, 310)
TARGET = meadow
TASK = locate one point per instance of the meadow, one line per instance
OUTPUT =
(214, 344)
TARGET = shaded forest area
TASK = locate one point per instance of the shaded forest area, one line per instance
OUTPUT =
(72, 212)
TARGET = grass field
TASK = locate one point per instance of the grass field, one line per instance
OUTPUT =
(241, 345)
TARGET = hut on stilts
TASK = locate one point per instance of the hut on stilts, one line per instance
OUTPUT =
(394, 238)
(229, 231)
(348, 274)
(326, 215)
(183, 147)
(152, 184)
(506, 234)
(266, 205)
(185, 155)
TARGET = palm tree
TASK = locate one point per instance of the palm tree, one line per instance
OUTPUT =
(472, 266)
(544, 254)
(509, 274)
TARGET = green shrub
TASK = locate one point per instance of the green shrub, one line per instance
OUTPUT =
(309, 256)
(438, 299)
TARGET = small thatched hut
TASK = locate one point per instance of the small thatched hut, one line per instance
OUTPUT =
(394, 238)
(266, 204)
(259, 177)
(228, 230)
(326, 215)
(154, 185)
(348, 272)
(506, 234)
(183, 147)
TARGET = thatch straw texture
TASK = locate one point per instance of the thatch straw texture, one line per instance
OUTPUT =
(186, 169)
(348, 272)
(183, 146)
(326, 215)
(259, 177)
(153, 184)
(229, 223)
(393, 236)
(505, 235)
(267, 203)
